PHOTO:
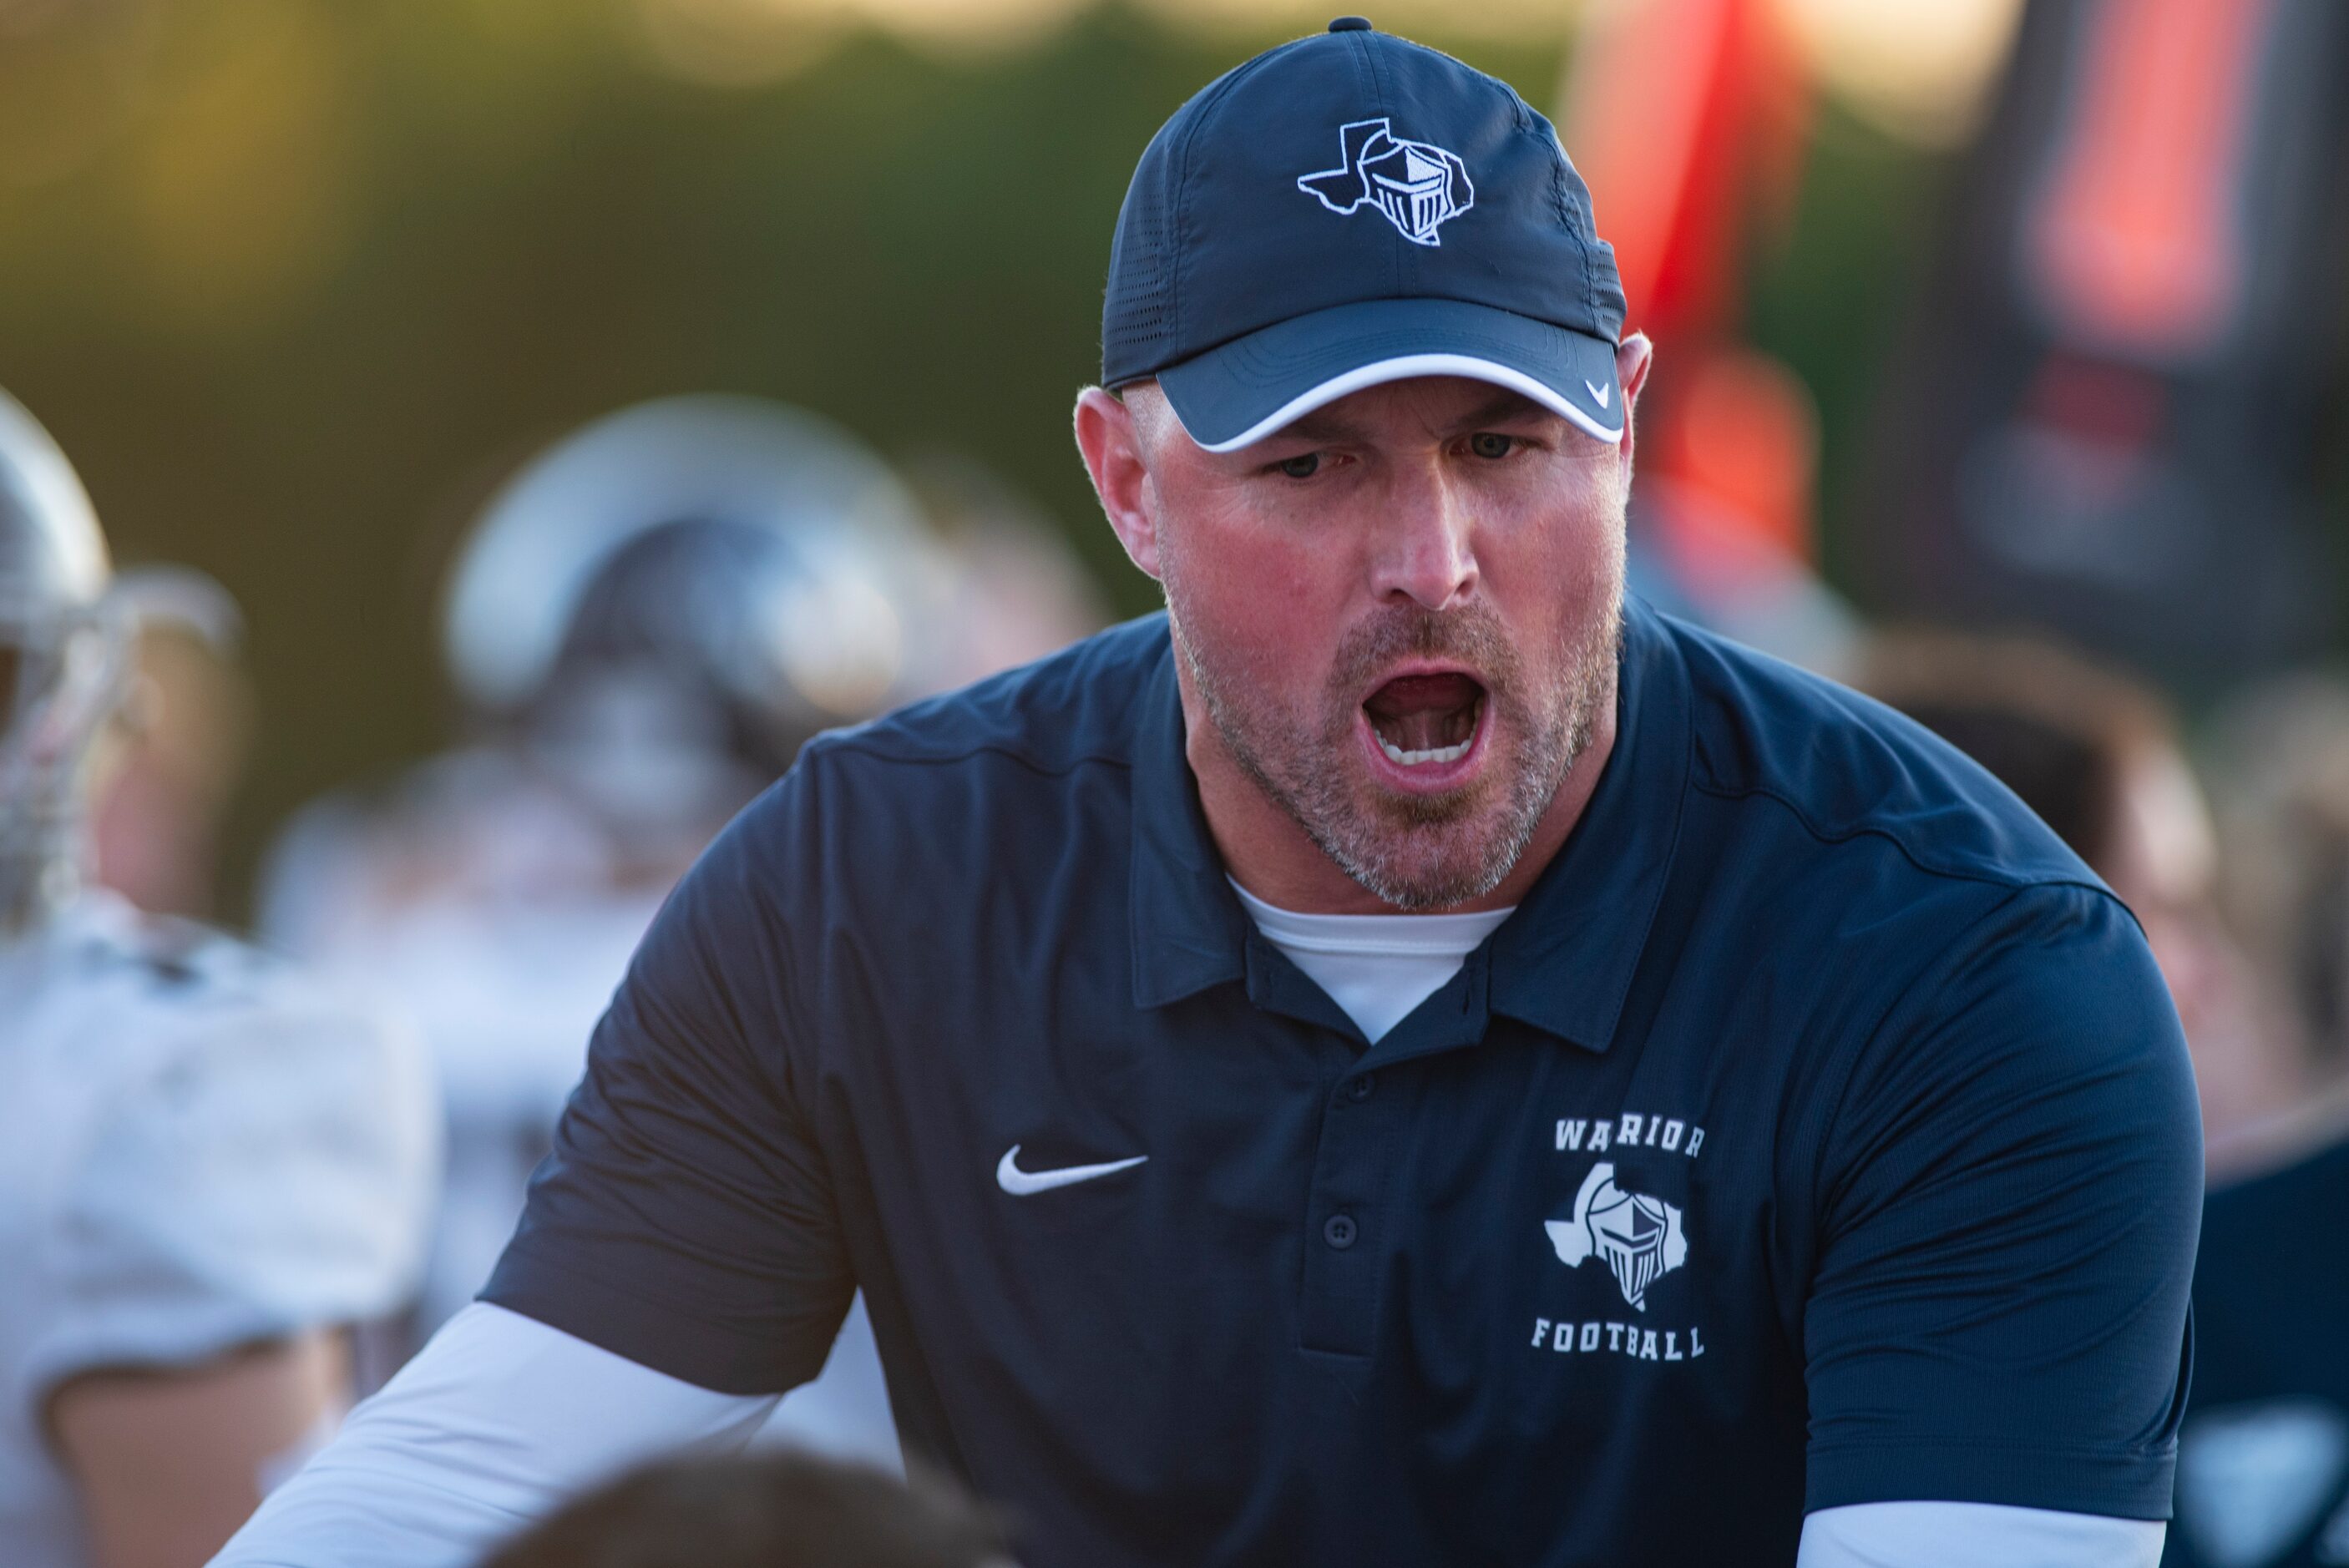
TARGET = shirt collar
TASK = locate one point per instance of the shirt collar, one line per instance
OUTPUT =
(1189, 931)
(1563, 962)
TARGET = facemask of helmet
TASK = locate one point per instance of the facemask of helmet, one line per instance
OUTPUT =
(63, 645)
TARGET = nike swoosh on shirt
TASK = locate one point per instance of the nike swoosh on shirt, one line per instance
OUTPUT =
(1020, 1183)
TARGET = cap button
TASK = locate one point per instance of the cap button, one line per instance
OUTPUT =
(1350, 24)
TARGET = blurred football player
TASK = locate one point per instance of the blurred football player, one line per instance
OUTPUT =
(207, 1167)
(645, 624)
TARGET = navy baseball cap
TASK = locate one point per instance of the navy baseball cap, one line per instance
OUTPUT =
(1351, 209)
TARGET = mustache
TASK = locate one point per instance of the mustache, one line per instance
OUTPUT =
(1471, 638)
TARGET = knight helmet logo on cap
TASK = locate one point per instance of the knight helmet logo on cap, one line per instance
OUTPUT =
(1417, 185)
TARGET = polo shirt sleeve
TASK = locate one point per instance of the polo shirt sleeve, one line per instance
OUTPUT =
(684, 1218)
(2008, 1193)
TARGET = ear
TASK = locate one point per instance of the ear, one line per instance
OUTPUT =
(1633, 359)
(1108, 435)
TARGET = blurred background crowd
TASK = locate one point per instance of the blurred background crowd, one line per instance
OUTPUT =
(519, 423)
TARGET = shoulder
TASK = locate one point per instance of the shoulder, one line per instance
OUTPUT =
(1844, 769)
(1981, 970)
(956, 797)
(1062, 712)
(1009, 750)
(196, 999)
(263, 1159)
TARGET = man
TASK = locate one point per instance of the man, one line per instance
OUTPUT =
(1405, 1059)
(209, 1169)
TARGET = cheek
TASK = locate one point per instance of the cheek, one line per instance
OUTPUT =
(1261, 595)
(1559, 569)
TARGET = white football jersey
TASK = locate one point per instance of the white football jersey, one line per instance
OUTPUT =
(199, 1149)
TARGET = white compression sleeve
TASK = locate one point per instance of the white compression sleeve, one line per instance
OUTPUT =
(1974, 1535)
(494, 1423)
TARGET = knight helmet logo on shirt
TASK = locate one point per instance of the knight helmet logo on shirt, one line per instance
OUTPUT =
(1638, 1236)
(1417, 185)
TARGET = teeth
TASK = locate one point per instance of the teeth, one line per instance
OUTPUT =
(1434, 754)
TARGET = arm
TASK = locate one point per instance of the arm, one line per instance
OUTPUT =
(2009, 1190)
(677, 1268)
(494, 1423)
(1974, 1535)
(169, 1463)
(260, 1180)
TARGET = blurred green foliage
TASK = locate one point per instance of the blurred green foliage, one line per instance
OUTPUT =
(296, 281)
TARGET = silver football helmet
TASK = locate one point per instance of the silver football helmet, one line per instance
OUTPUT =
(694, 582)
(63, 647)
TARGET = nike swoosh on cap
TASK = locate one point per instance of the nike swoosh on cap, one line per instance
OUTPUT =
(1020, 1183)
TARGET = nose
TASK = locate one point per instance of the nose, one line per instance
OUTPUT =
(1425, 549)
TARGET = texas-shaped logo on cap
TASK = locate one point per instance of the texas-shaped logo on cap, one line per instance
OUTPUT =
(1417, 185)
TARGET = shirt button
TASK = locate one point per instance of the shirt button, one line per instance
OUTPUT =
(1363, 1086)
(1338, 1231)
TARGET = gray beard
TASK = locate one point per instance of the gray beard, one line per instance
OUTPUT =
(1417, 854)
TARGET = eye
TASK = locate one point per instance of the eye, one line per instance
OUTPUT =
(1303, 468)
(1487, 445)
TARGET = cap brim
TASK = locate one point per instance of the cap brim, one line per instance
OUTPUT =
(1244, 390)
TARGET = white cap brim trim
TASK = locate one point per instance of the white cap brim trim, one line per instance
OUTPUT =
(1402, 368)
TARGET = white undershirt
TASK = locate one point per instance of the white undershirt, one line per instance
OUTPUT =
(1377, 968)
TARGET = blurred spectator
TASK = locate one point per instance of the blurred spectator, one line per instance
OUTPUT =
(208, 1167)
(777, 1510)
(645, 624)
(2278, 758)
(2097, 755)
(2263, 1461)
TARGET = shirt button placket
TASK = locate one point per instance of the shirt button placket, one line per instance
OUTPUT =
(1360, 1129)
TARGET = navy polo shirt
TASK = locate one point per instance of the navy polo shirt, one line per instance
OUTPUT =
(1817, 1131)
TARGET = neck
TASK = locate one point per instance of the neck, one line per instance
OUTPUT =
(1269, 855)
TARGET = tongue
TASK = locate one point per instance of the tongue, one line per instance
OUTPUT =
(1420, 713)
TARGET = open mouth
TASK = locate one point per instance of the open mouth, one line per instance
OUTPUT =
(1426, 720)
